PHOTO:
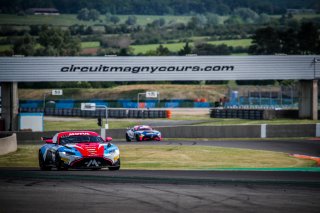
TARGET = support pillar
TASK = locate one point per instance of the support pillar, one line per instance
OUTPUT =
(308, 99)
(10, 105)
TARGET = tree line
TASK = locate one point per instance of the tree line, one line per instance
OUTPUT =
(160, 7)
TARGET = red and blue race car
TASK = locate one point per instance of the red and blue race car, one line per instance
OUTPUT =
(142, 133)
(78, 149)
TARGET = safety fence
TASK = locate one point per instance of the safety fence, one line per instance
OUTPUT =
(233, 131)
(112, 113)
(122, 103)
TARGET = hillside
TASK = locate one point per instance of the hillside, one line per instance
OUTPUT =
(167, 91)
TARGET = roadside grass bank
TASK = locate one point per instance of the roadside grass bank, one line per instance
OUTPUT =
(176, 158)
(201, 120)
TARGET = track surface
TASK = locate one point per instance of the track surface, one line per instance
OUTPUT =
(31, 190)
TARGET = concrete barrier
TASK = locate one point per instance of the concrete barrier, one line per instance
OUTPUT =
(292, 130)
(8, 144)
(236, 131)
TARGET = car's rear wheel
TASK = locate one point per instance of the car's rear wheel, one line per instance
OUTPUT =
(115, 167)
(42, 163)
(128, 138)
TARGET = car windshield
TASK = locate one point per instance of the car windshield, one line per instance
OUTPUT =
(145, 128)
(80, 139)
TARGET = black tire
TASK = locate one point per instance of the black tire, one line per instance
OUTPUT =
(59, 163)
(138, 138)
(128, 139)
(115, 167)
(42, 163)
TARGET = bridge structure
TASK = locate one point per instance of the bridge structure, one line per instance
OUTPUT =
(304, 68)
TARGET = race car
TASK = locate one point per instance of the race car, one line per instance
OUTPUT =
(79, 150)
(142, 133)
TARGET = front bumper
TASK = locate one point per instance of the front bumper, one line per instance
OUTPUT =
(92, 162)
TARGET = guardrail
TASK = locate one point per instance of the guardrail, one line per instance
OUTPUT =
(235, 131)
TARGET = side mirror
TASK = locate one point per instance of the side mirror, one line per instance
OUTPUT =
(47, 140)
(108, 139)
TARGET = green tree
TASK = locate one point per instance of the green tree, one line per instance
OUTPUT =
(212, 19)
(265, 41)
(309, 38)
(132, 20)
(162, 51)
(197, 22)
(289, 42)
(57, 42)
(83, 14)
(24, 46)
(93, 14)
(210, 49)
(185, 50)
(114, 19)
(246, 14)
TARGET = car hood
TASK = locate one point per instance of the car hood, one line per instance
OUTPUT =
(89, 149)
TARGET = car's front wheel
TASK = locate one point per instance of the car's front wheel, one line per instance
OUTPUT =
(128, 139)
(115, 167)
(59, 163)
(42, 163)
(138, 138)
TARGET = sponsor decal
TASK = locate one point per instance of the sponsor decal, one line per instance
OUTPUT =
(146, 69)
(93, 163)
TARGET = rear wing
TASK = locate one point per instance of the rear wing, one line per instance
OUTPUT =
(47, 139)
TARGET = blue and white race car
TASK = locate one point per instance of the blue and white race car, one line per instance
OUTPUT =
(78, 149)
(142, 133)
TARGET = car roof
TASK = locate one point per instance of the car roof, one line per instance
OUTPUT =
(76, 133)
(142, 127)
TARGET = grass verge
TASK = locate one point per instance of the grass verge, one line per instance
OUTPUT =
(201, 120)
(176, 158)
(174, 47)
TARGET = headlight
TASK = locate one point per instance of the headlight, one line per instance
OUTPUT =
(114, 152)
(67, 153)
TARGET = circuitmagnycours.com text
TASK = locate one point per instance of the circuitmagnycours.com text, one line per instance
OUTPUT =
(146, 69)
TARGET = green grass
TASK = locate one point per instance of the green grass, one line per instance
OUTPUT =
(175, 47)
(146, 19)
(176, 157)
(71, 19)
(203, 120)
(233, 43)
(90, 44)
(5, 47)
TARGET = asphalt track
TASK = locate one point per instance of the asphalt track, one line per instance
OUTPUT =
(31, 190)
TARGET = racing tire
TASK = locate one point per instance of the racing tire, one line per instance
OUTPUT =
(128, 139)
(116, 167)
(59, 163)
(42, 163)
(138, 138)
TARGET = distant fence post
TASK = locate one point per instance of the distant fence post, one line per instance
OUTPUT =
(263, 130)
